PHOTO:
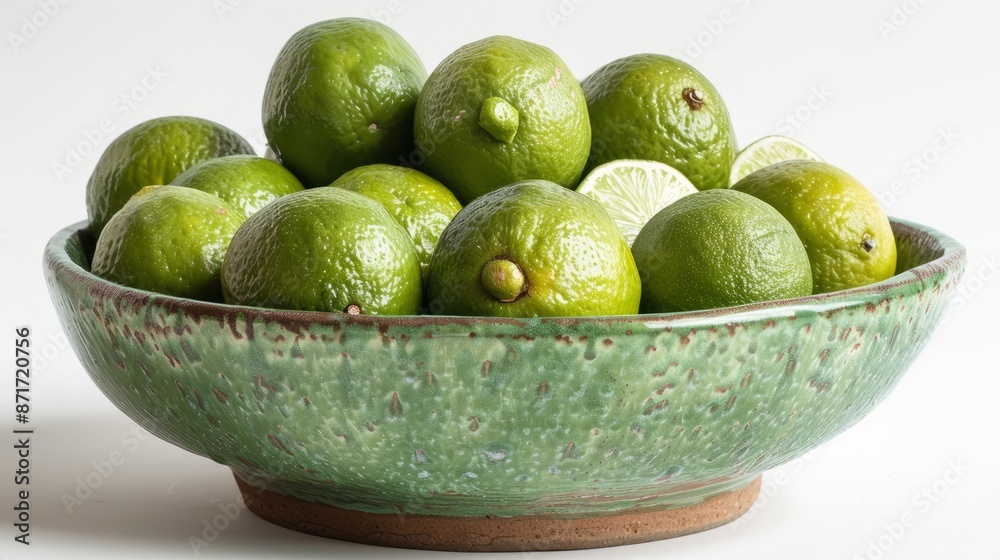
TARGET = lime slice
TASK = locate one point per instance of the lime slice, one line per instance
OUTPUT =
(768, 150)
(633, 191)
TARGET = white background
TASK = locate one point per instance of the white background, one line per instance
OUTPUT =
(903, 94)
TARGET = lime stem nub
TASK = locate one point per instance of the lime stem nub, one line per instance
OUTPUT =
(693, 98)
(868, 243)
(499, 118)
(504, 280)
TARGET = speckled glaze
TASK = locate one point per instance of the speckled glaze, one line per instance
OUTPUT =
(464, 417)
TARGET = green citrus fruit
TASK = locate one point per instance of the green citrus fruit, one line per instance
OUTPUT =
(153, 153)
(719, 248)
(844, 230)
(247, 182)
(654, 107)
(531, 249)
(421, 204)
(323, 249)
(169, 240)
(768, 151)
(633, 191)
(501, 110)
(341, 94)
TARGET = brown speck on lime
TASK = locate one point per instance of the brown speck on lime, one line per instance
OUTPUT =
(395, 407)
(868, 244)
(543, 388)
(353, 309)
(693, 98)
(473, 423)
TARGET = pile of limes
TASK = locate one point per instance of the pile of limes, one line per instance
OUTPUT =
(621, 193)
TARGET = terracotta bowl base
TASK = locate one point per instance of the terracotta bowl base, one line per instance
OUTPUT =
(497, 534)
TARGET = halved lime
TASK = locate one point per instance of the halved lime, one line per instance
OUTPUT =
(633, 191)
(768, 150)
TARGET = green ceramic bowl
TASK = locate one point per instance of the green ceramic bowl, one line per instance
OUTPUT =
(501, 434)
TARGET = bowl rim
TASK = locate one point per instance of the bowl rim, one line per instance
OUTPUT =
(951, 259)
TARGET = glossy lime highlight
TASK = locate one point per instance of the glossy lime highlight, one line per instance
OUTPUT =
(153, 153)
(324, 249)
(247, 182)
(341, 94)
(717, 249)
(533, 249)
(654, 107)
(170, 240)
(501, 110)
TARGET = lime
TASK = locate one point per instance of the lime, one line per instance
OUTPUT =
(633, 191)
(844, 230)
(501, 110)
(246, 182)
(323, 249)
(530, 249)
(654, 107)
(719, 248)
(153, 153)
(341, 94)
(170, 240)
(768, 151)
(421, 204)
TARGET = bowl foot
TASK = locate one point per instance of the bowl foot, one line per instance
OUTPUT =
(498, 534)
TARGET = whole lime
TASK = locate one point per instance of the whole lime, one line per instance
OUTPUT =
(719, 248)
(843, 227)
(341, 94)
(531, 249)
(170, 240)
(654, 107)
(323, 249)
(247, 182)
(501, 110)
(420, 203)
(153, 153)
